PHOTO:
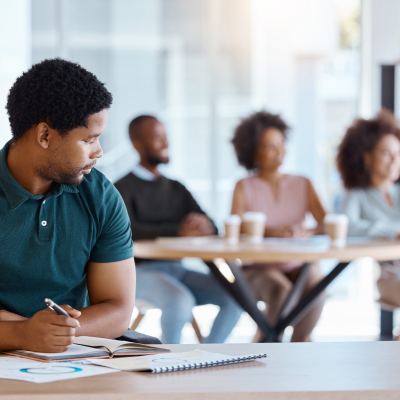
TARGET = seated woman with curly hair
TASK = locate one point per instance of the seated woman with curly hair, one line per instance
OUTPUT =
(369, 164)
(259, 142)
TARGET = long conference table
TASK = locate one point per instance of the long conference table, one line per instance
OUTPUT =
(291, 371)
(225, 260)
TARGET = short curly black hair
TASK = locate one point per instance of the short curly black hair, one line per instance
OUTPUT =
(135, 125)
(58, 92)
(248, 133)
(362, 137)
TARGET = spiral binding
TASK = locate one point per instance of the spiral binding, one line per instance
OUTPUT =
(206, 364)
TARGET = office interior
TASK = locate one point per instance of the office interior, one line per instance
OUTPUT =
(202, 65)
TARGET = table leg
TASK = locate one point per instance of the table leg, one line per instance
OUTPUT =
(386, 325)
(243, 294)
(306, 302)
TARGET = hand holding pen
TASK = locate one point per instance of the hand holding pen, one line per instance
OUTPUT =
(47, 331)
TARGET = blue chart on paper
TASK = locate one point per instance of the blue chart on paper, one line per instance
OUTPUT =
(53, 370)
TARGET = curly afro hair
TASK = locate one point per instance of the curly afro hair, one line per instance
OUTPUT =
(248, 134)
(58, 92)
(362, 137)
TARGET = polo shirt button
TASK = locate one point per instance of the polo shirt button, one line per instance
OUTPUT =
(44, 223)
(44, 201)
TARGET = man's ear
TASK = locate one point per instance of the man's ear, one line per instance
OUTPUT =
(42, 132)
(138, 145)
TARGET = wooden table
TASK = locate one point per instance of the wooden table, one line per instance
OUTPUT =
(292, 371)
(271, 250)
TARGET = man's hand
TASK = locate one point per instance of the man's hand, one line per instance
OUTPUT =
(297, 231)
(49, 332)
(290, 231)
(195, 224)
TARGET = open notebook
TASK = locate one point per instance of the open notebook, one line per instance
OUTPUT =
(92, 347)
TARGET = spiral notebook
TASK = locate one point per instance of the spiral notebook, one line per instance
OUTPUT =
(174, 361)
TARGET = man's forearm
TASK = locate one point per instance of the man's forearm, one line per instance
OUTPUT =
(10, 335)
(108, 320)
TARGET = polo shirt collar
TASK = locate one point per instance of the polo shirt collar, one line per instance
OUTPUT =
(71, 189)
(143, 173)
(14, 192)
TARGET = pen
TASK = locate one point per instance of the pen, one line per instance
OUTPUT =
(56, 308)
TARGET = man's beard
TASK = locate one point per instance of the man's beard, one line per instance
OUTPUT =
(72, 177)
(156, 160)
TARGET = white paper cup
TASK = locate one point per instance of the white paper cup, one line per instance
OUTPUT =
(336, 228)
(254, 226)
(232, 229)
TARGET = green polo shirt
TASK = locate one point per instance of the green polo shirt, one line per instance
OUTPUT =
(47, 241)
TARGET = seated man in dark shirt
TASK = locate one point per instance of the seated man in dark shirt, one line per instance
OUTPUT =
(158, 206)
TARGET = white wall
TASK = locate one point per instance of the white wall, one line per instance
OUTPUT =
(15, 52)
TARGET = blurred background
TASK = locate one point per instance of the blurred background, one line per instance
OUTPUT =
(202, 65)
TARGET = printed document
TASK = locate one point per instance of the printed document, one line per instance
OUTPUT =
(38, 372)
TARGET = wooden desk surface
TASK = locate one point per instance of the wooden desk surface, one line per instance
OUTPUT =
(316, 371)
(210, 248)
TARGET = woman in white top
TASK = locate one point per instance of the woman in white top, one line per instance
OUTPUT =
(369, 164)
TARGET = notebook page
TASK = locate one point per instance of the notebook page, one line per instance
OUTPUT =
(110, 344)
(90, 341)
(74, 351)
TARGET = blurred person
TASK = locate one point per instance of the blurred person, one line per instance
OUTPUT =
(368, 161)
(369, 164)
(161, 207)
(259, 143)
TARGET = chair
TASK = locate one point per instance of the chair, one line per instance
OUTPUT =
(143, 306)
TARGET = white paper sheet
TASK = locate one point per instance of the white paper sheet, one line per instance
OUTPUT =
(319, 243)
(38, 372)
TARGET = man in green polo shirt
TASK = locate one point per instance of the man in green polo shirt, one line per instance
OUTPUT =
(64, 230)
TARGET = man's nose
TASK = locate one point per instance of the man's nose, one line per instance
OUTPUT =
(98, 153)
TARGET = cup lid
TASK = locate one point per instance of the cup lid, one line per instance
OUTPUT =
(336, 218)
(233, 219)
(251, 216)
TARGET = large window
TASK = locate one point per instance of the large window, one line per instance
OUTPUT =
(201, 65)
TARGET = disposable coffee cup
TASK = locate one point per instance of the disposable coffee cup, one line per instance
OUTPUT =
(336, 228)
(254, 226)
(232, 229)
